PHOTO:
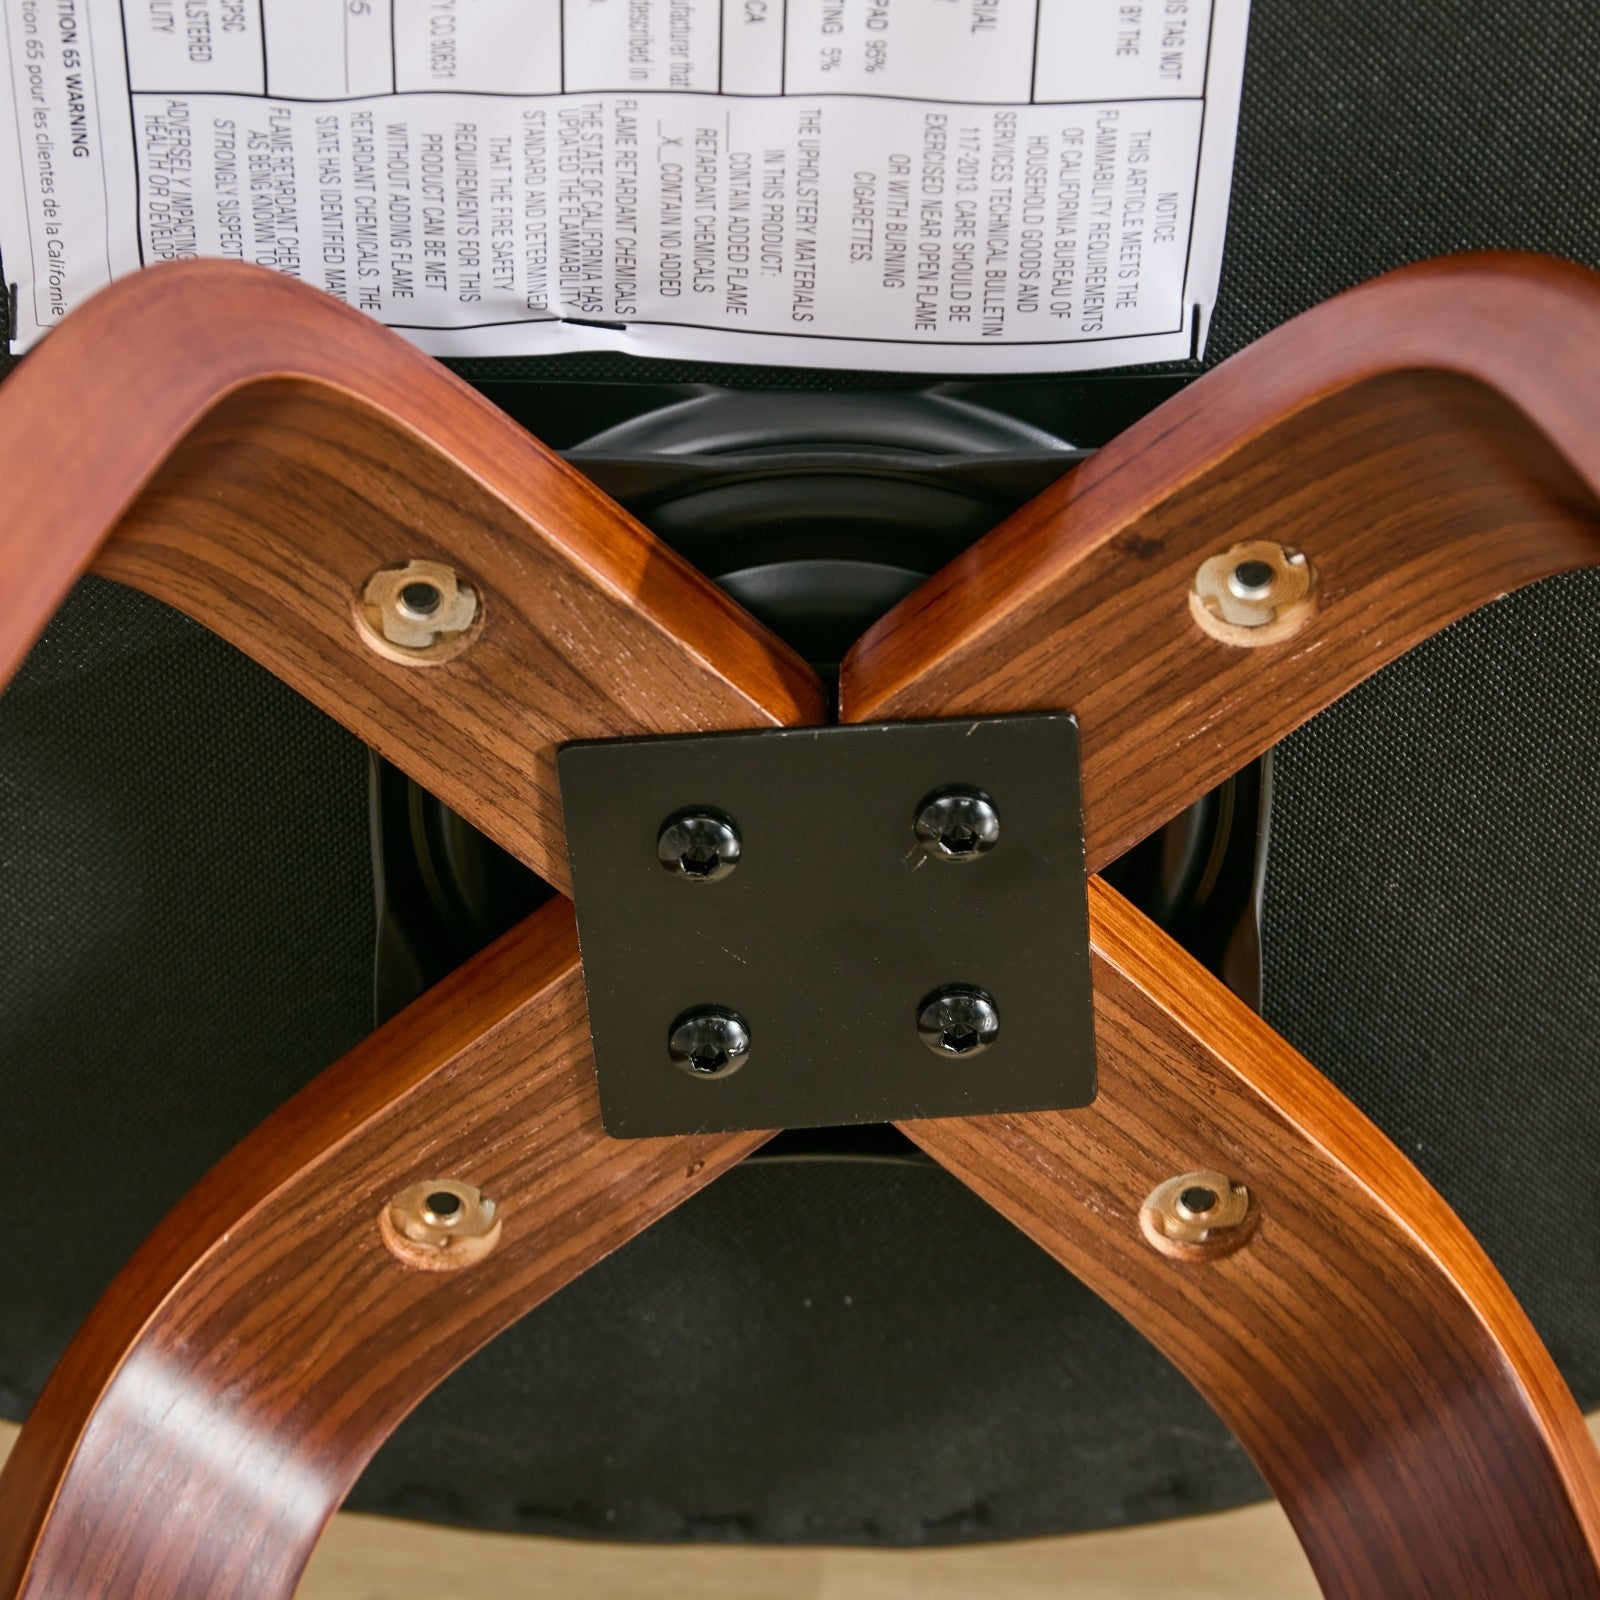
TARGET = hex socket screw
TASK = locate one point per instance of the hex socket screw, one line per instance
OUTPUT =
(699, 845)
(958, 1019)
(709, 1042)
(957, 823)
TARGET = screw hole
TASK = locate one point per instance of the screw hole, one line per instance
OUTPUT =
(1256, 593)
(1252, 580)
(438, 1229)
(1197, 1215)
(421, 599)
(419, 613)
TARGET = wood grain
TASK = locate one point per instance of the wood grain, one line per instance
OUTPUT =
(1431, 441)
(1246, 1554)
(223, 1395)
(221, 1399)
(1361, 1346)
(227, 1390)
(325, 448)
(1249, 1554)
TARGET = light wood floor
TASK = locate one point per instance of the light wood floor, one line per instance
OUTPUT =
(1241, 1555)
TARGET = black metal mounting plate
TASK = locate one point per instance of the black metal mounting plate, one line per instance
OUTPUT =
(835, 925)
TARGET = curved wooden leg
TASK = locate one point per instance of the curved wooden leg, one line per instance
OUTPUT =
(1430, 479)
(1430, 441)
(216, 1407)
(228, 1389)
(1359, 1343)
(292, 448)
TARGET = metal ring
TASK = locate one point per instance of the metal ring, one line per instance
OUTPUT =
(1198, 1214)
(418, 613)
(440, 1225)
(1254, 593)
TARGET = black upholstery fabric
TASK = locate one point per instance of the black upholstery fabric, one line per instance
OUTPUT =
(863, 1353)
(1373, 134)
(841, 1354)
(1430, 936)
(809, 1351)
(186, 931)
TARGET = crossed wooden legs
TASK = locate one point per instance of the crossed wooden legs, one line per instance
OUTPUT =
(224, 1395)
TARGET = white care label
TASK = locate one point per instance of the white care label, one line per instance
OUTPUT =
(924, 185)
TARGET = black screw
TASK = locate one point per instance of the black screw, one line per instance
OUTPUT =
(709, 1041)
(700, 846)
(957, 824)
(958, 1020)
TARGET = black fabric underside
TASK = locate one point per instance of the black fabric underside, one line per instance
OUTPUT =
(864, 1353)
(185, 937)
(1431, 939)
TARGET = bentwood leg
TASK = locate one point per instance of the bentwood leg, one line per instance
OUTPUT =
(230, 1386)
